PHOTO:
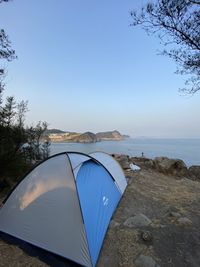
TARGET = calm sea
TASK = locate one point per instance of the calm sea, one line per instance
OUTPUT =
(185, 149)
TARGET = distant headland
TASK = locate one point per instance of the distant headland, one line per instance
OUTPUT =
(56, 135)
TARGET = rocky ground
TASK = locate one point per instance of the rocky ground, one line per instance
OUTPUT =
(156, 223)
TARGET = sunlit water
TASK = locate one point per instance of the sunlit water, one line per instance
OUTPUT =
(185, 149)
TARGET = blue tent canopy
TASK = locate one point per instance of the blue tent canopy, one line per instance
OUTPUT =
(64, 205)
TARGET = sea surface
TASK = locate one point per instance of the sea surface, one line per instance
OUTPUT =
(186, 149)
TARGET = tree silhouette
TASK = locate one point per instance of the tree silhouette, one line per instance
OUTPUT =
(177, 24)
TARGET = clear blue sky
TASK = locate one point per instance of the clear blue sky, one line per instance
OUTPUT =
(82, 67)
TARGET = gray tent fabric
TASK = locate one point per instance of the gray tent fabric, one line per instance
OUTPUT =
(39, 211)
(77, 159)
(113, 167)
(46, 209)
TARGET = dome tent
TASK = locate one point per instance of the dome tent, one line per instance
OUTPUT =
(64, 205)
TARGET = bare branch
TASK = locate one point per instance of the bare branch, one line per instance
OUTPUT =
(175, 23)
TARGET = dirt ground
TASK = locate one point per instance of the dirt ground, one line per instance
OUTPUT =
(164, 200)
(158, 197)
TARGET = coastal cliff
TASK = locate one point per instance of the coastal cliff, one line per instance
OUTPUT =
(112, 135)
(87, 137)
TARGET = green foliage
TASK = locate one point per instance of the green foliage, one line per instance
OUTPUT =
(37, 143)
(54, 131)
(177, 24)
(20, 147)
(6, 53)
(1, 1)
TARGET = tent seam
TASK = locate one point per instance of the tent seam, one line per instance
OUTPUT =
(79, 202)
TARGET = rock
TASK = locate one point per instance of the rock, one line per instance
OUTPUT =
(113, 224)
(138, 221)
(111, 135)
(124, 162)
(194, 172)
(145, 261)
(149, 163)
(170, 166)
(87, 137)
(175, 214)
(146, 236)
(184, 221)
(128, 170)
(142, 162)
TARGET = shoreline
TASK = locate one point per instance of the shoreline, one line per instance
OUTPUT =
(165, 165)
(182, 149)
(80, 142)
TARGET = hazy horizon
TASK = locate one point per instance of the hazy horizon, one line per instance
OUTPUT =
(83, 68)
